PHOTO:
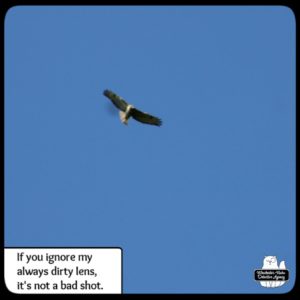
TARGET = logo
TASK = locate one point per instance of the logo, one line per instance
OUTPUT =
(271, 275)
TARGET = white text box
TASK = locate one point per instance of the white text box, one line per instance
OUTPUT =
(63, 270)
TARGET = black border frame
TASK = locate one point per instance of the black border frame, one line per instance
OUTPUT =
(5, 5)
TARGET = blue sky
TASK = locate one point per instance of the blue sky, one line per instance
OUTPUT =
(195, 204)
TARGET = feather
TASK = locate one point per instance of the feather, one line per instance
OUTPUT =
(127, 110)
(116, 100)
(145, 117)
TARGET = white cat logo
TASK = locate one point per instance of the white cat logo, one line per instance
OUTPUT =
(270, 263)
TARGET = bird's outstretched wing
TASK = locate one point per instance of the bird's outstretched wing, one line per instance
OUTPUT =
(116, 100)
(145, 118)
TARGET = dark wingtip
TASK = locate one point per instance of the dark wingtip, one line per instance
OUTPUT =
(106, 92)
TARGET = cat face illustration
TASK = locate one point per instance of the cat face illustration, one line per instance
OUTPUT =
(270, 262)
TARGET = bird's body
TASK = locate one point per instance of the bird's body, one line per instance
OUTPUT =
(128, 110)
(124, 116)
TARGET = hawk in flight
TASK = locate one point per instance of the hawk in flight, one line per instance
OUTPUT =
(127, 110)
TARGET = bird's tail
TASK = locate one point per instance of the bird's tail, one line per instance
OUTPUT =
(123, 117)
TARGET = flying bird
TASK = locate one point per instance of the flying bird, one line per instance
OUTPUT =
(128, 110)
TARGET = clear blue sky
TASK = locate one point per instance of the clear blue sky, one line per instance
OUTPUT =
(195, 204)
